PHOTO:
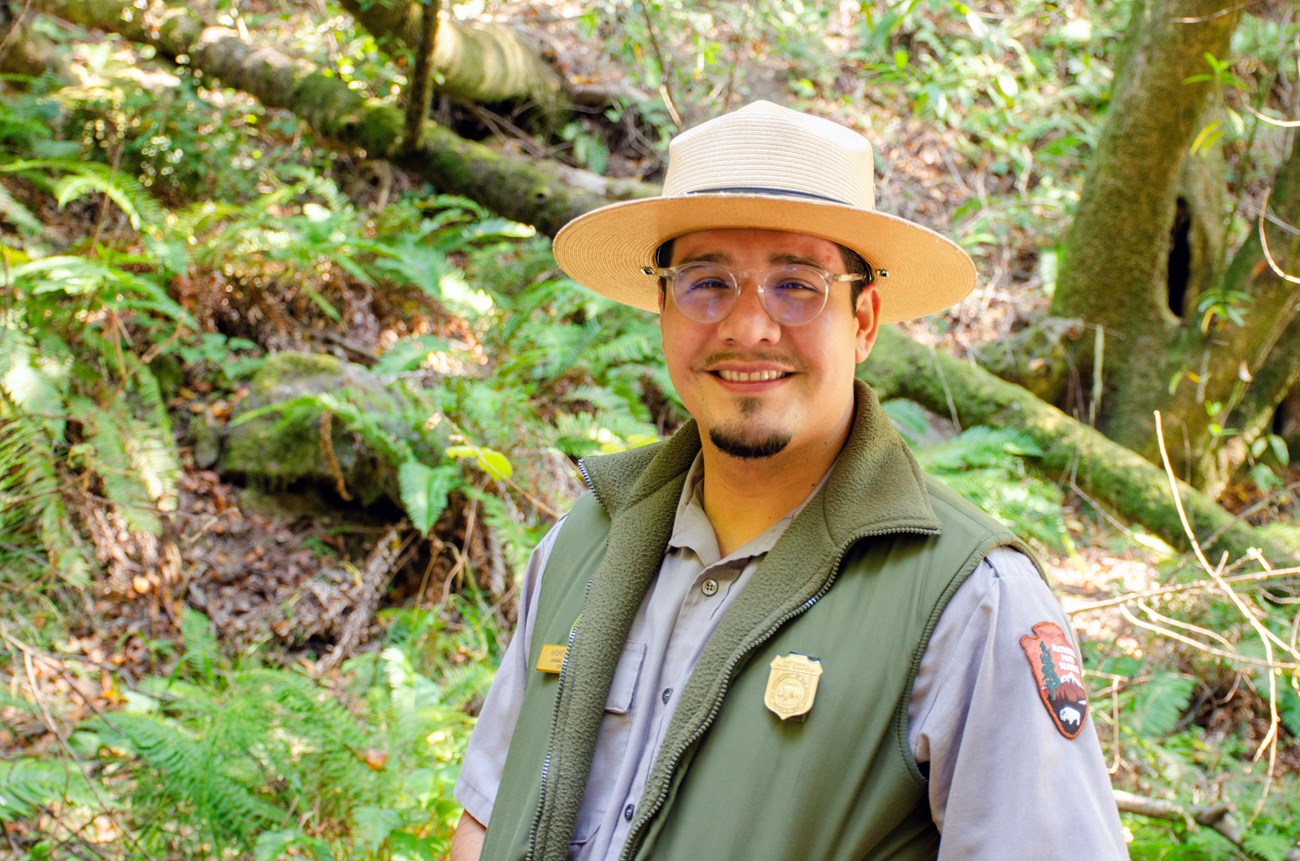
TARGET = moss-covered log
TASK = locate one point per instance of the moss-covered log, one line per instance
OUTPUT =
(1109, 473)
(543, 194)
(476, 63)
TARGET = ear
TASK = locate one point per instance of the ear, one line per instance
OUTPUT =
(867, 320)
(663, 296)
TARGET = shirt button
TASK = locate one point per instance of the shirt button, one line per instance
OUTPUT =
(667, 695)
(628, 811)
(709, 587)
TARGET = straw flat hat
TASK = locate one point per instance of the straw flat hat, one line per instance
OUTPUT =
(772, 168)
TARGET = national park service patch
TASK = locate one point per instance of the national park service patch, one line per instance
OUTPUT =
(1059, 676)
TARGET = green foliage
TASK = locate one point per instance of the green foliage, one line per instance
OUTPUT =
(31, 786)
(986, 466)
(252, 759)
(1156, 707)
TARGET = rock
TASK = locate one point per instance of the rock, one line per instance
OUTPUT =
(301, 444)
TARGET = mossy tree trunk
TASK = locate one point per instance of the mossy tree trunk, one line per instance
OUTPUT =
(1144, 254)
(475, 63)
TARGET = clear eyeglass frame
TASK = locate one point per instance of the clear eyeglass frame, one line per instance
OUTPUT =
(787, 307)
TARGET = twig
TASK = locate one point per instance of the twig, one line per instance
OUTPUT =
(1263, 242)
(1199, 585)
(665, 92)
(28, 652)
(1270, 738)
(1202, 647)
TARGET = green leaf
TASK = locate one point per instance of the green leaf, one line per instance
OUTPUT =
(494, 463)
(1288, 707)
(373, 825)
(1207, 137)
(424, 492)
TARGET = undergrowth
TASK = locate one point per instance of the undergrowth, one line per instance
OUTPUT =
(198, 233)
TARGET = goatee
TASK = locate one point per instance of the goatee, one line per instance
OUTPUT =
(748, 449)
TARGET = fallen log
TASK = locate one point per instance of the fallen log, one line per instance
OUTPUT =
(1073, 453)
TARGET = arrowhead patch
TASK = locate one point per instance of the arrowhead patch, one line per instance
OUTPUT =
(1058, 673)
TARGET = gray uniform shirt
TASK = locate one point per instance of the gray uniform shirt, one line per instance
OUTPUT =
(1004, 783)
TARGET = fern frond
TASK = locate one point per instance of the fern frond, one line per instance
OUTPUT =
(188, 769)
(18, 215)
(81, 177)
(31, 786)
(110, 453)
(1158, 705)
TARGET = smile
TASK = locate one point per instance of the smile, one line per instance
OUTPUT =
(750, 376)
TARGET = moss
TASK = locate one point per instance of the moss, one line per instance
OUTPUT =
(300, 447)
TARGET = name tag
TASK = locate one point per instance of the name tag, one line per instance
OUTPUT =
(551, 660)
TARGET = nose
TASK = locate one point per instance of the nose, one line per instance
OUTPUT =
(749, 322)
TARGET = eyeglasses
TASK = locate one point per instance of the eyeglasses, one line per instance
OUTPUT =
(791, 295)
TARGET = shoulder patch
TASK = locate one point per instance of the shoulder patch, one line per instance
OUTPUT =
(1058, 673)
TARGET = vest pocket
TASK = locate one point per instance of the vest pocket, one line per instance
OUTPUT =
(611, 742)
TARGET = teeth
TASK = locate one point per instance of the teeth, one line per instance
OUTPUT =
(750, 377)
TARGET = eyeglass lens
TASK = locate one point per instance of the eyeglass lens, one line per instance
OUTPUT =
(791, 295)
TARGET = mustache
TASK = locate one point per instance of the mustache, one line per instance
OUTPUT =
(769, 356)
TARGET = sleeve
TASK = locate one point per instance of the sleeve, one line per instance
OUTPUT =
(999, 719)
(485, 756)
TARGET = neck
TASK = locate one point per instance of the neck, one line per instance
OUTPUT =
(744, 497)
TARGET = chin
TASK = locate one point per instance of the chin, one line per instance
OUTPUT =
(749, 447)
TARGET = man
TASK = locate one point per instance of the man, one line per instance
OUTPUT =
(771, 637)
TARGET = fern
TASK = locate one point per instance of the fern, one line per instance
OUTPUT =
(30, 786)
(1158, 706)
(80, 177)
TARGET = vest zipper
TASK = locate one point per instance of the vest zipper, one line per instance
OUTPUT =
(550, 744)
(635, 834)
(555, 713)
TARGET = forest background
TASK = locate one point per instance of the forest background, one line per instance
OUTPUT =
(290, 384)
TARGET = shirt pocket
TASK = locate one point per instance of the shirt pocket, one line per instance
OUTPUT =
(611, 743)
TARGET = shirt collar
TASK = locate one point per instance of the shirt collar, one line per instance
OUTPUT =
(693, 531)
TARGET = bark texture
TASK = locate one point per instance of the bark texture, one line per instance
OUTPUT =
(1139, 223)
(477, 63)
(1109, 473)
(1142, 260)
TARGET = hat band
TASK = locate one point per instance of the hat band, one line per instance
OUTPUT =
(758, 189)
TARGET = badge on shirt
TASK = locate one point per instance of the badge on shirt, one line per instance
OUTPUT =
(792, 685)
(551, 660)
(1059, 675)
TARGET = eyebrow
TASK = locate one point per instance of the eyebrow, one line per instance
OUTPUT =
(781, 259)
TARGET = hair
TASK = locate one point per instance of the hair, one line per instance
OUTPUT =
(854, 264)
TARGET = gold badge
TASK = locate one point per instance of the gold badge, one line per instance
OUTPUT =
(792, 685)
(551, 660)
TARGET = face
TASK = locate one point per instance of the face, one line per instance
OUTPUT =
(758, 388)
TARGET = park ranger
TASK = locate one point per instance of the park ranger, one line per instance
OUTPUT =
(772, 636)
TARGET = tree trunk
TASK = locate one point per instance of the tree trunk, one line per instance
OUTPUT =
(478, 63)
(23, 52)
(1271, 336)
(1110, 474)
(544, 194)
(1138, 227)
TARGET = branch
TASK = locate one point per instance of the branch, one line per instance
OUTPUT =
(1217, 816)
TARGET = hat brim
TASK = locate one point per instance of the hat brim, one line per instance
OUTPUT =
(605, 249)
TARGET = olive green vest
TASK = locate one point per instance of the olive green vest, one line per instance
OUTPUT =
(857, 582)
